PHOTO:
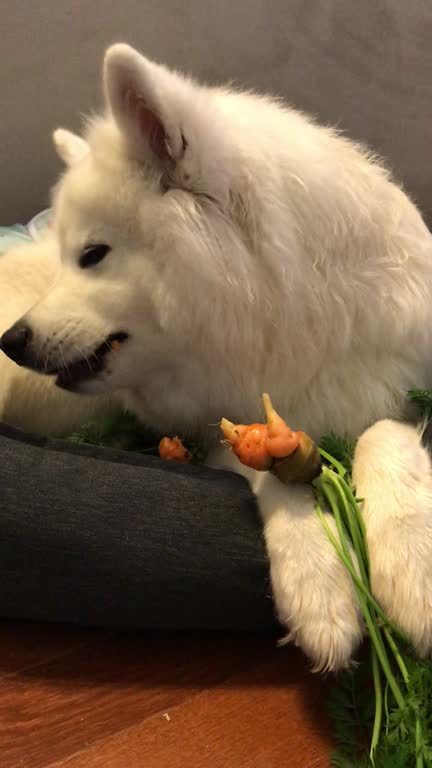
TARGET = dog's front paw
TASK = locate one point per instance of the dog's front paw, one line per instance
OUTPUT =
(392, 472)
(313, 592)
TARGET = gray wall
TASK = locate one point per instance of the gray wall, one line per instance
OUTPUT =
(364, 64)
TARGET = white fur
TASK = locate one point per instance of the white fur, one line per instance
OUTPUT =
(398, 516)
(314, 595)
(253, 250)
(70, 147)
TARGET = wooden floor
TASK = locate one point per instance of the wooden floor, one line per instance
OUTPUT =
(91, 699)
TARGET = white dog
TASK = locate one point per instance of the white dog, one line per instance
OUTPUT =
(217, 244)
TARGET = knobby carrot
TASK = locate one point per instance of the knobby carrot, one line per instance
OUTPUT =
(292, 456)
(172, 449)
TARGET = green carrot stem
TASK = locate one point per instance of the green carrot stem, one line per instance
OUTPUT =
(378, 704)
(373, 631)
(386, 707)
(355, 521)
(340, 467)
(330, 497)
(356, 538)
(347, 561)
(341, 472)
(355, 503)
(334, 490)
(399, 660)
(322, 485)
(404, 672)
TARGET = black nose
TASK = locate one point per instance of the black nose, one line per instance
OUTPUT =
(15, 341)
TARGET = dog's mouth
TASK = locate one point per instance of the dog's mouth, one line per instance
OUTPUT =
(87, 367)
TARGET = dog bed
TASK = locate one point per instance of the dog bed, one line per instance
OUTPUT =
(99, 536)
(105, 537)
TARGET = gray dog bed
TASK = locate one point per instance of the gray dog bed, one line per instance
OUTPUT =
(103, 537)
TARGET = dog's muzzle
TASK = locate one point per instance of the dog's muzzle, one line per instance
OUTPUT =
(16, 343)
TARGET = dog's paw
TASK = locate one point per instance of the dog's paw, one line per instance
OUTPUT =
(314, 594)
(392, 472)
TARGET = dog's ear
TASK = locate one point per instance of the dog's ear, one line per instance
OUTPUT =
(70, 147)
(171, 122)
(139, 94)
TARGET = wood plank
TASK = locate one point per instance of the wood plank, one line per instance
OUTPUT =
(26, 644)
(292, 754)
(54, 710)
(277, 756)
(322, 763)
(261, 718)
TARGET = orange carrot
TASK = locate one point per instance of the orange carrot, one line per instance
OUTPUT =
(249, 443)
(172, 449)
(292, 456)
(282, 441)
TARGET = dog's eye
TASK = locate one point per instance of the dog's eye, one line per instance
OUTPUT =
(92, 255)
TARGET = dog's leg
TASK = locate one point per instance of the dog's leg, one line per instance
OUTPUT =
(393, 473)
(313, 593)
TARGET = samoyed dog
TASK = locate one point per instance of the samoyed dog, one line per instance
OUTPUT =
(213, 245)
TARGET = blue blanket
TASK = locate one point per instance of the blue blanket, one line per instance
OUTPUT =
(19, 234)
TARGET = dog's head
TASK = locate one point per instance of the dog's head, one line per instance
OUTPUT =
(149, 227)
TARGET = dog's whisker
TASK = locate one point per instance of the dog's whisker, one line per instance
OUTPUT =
(39, 358)
(65, 365)
(86, 357)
